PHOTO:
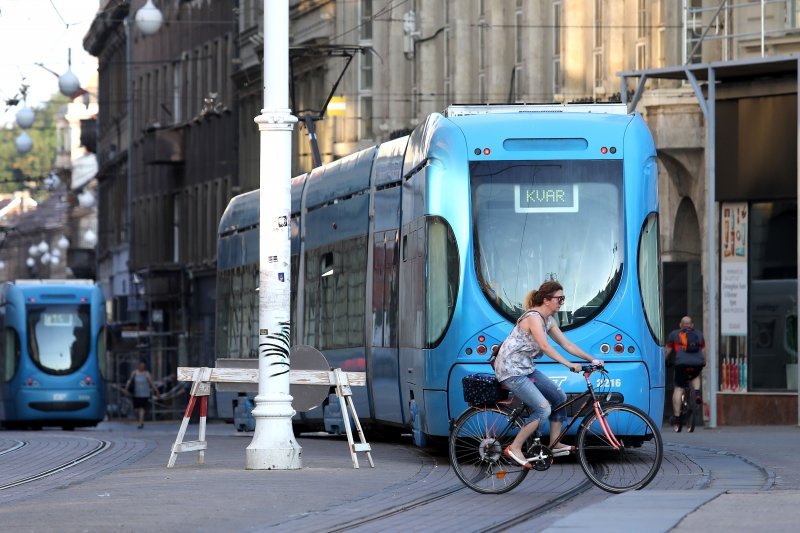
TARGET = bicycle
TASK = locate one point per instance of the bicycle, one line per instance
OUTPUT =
(624, 458)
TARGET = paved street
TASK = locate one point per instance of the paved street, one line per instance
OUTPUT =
(113, 478)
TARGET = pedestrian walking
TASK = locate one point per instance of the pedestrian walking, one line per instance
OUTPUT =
(141, 384)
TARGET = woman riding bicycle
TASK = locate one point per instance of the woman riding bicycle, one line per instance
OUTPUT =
(515, 368)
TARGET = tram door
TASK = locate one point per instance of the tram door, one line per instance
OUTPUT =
(385, 369)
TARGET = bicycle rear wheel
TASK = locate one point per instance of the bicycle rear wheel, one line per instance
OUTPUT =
(689, 403)
(476, 446)
(629, 467)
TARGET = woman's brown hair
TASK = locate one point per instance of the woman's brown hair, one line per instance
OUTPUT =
(546, 290)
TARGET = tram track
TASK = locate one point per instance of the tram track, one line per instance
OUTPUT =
(540, 510)
(402, 508)
(102, 445)
(18, 444)
(376, 518)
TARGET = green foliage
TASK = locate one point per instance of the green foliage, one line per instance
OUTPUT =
(17, 170)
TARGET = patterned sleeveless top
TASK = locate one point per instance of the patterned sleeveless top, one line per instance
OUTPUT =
(519, 350)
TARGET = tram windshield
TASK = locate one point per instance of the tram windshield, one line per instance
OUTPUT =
(58, 336)
(540, 220)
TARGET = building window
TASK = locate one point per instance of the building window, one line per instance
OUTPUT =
(176, 228)
(641, 19)
(366, 20)
(518, 43)
(598, 23)
(519, 84)
(557, 48)
(693, 30)
(446, 64)
(481, 44)
(557, 29)
(365, 116)
(557, 76)
(641, 56)
(641, 34)
(597, 63)
(365, 82)
(598, 68)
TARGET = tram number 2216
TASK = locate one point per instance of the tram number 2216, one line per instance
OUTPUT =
(608, 382)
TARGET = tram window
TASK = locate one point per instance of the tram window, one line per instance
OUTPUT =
(650, 277)
(223, 312)
(442, 279)
(539, 220)
(334, 294)
(58, 336)
(11, 354)
(101, 352)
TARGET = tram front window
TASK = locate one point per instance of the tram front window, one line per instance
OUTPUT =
(58, 336)
(540, 220)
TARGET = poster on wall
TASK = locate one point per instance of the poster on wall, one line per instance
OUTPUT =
(733, 270)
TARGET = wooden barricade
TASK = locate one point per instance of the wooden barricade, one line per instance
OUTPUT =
(203, 377)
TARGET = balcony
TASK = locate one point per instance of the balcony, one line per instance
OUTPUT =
(164, 146)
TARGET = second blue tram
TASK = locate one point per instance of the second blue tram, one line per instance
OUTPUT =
(412, 258)
(53, 356)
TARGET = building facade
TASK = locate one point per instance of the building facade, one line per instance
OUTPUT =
(167, 152)
(196, 87)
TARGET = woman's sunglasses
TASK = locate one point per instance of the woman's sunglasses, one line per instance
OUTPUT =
(559, 298)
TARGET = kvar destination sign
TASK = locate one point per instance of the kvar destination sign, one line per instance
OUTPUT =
(546, 198)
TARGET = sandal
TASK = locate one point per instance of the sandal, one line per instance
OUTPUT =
(508, 453)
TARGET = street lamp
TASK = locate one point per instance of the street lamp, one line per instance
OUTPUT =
(24, 143)
(149, 18)
(68, 83)
(273, 446)
(25, 118)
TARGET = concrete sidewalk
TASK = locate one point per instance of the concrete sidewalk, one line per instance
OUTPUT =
(729, 504)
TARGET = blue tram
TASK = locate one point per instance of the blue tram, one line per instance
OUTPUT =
(53, 357)
(412, 258)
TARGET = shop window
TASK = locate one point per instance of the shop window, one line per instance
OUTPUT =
(772, 321)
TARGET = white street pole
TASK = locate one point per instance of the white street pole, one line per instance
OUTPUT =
(273, 446)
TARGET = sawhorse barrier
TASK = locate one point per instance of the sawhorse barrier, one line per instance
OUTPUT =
(202, 378)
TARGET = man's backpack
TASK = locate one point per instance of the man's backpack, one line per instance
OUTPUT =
(690, 341)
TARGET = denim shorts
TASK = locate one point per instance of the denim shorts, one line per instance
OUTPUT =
(536, 390)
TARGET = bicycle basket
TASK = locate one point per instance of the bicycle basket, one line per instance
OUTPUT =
(482, 389)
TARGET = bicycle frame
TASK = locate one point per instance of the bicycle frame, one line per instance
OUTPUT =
(590, 397)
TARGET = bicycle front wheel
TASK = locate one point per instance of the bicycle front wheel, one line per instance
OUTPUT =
(631, 465)
(476, 446)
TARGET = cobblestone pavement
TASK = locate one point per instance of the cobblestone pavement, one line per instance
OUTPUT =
(710, 475)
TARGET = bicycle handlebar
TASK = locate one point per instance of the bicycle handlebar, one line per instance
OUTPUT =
(593, 368)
